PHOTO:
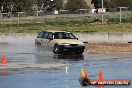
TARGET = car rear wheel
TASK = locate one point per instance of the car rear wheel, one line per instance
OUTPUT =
(56, 49)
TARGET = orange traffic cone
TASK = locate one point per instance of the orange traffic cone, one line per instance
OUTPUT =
(101, 75)
(3, 60)
(101, 78)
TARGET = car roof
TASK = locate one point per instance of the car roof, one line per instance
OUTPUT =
(54, 31)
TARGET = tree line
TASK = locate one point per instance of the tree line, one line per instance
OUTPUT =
(30, 6)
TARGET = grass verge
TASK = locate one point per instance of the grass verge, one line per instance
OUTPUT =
(81, 24)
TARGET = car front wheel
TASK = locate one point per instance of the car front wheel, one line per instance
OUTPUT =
(56, 49)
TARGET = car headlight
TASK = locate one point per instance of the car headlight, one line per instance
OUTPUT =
(81, 44)
(65, 44)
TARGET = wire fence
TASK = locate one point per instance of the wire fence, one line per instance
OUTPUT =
(40, 21)
(40, 14)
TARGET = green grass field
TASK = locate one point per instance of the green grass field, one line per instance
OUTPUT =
(79, 24)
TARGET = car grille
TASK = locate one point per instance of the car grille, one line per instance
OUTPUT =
(73, 44)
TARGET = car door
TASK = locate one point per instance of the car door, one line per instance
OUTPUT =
(50, 39)
(47, 41)
(44, 39)
(55, 37)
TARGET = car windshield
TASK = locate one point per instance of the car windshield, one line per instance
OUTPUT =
(63, 35)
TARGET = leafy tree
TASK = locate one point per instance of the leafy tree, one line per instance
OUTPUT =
(27, 5)
(122, 3)
(59, 4)
(15, 5)
(22, 5)
(54, 5)
(74, 5)
(98, 3)
(107, 4)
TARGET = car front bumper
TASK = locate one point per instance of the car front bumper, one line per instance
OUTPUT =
(68, 48)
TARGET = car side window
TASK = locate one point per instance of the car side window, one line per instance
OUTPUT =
(45, 35)
(56, 35)
(40, 35)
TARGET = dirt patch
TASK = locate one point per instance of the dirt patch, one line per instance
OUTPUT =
(109, 47)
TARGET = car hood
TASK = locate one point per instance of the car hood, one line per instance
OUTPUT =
(68, 41)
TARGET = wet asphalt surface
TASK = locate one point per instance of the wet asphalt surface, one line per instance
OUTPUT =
(113, 65)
